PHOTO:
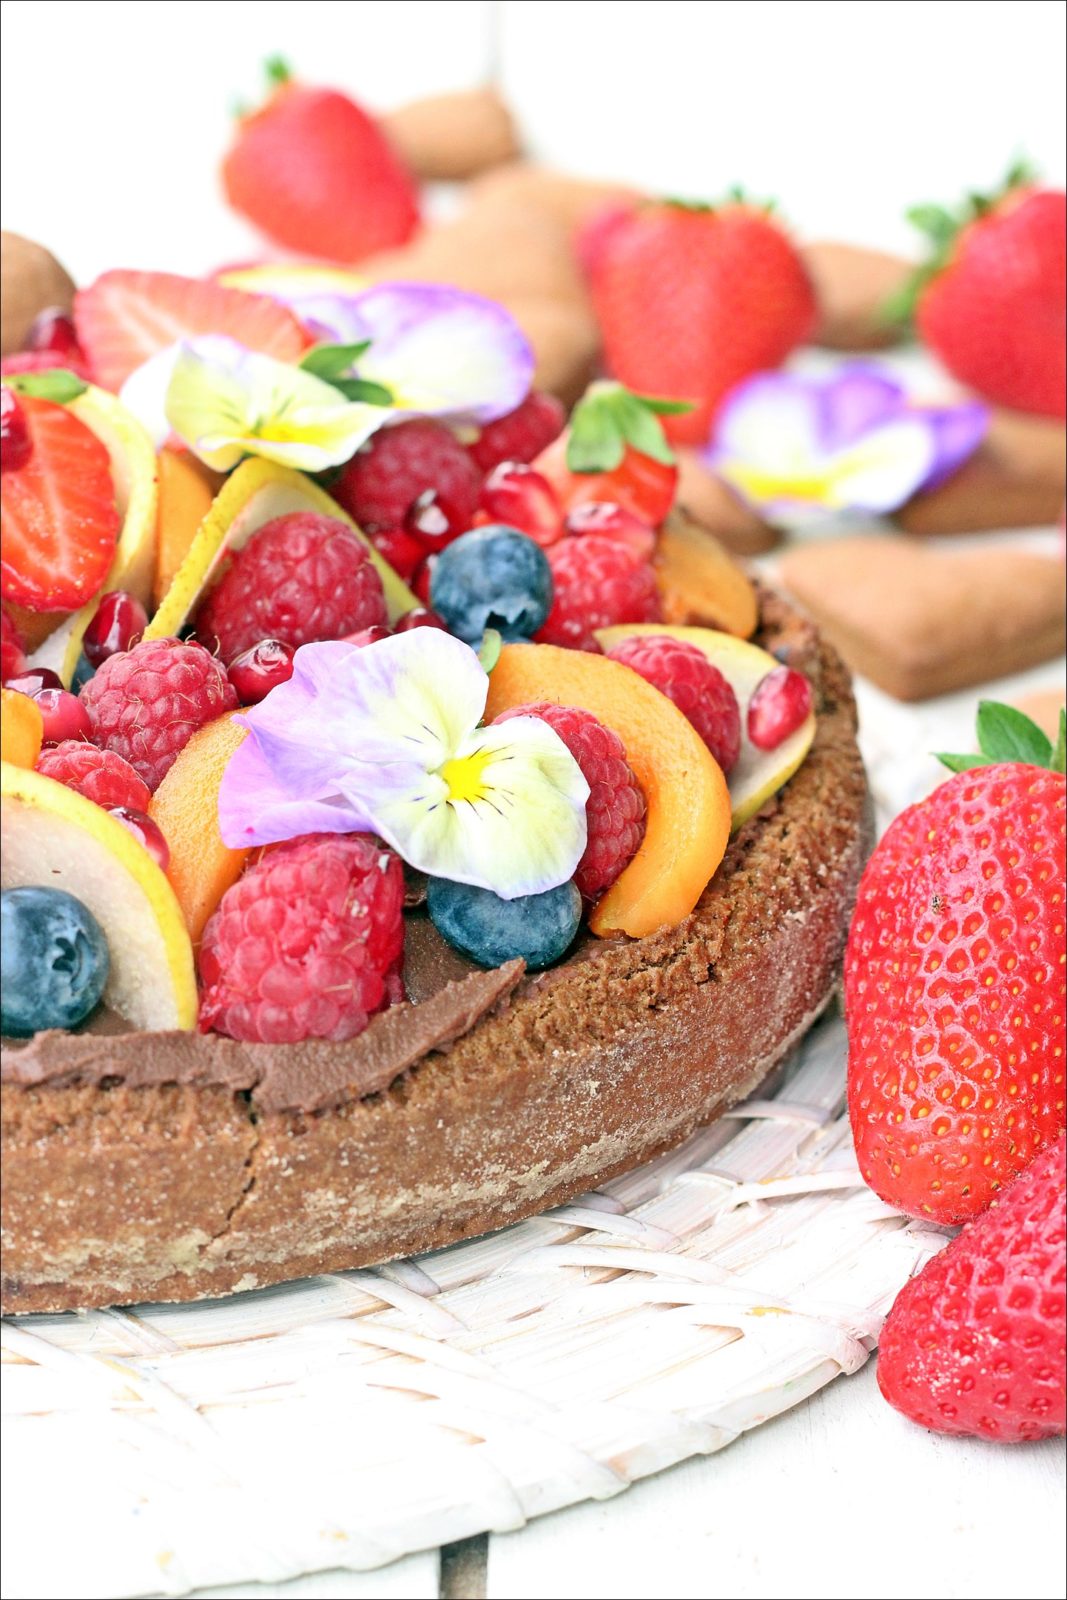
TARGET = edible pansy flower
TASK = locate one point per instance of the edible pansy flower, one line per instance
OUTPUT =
(850, 441)
(227, 402)
(385, 739)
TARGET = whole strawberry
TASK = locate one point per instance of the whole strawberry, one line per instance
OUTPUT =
(955, 991)
(976, 1343)
(992, 301)
(317, 174)
(691, 299)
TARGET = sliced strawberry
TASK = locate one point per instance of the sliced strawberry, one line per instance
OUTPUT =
(125, 317)
(60, 521)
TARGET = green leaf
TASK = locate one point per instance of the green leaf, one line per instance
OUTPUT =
(371, 394)
(596, 443)
(57, 384)
(642, 430)
(329, 361)
(489, 649)
(665, 408)
(962, 763)
(277, 71)
(1058, 759)
(1005, 734)
(608, 419)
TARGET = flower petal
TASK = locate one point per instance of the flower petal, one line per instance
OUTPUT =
(883, 470)
(771, 421)
(958, 431)
(256, 806)
(858, 398)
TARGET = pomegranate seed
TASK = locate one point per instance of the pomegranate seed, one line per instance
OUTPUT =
(421, 580)
(255, 672)
(402, 552)
(53, 330)
(369, 635)
(781, 702)
(146, 832)
(33, 680)
(16, 446)
(520, 496)
(64, 716)
(609, 521)
(119, 621)
(419, 617)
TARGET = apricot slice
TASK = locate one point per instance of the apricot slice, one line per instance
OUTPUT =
(688, 820)
(186, 491)
(21, 729)
(185, 806)
(699, 582)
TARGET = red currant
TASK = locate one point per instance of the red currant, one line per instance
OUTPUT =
(369, 635)
(255, 672)
(64, 716)
(402, 552)
(53, 330)
(421, 581)
(119, 621)
(16, 446)
(434, 522)
(780, 703)
(520, 496)
(419, 617)
(610, 521)
(33, 679)
(146, 832)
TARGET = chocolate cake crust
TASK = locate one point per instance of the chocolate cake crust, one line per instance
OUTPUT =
(171, 1167)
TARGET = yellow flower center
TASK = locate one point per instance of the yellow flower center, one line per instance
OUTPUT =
(463, 776)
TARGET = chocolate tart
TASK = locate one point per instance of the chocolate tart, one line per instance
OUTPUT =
(175, 1166)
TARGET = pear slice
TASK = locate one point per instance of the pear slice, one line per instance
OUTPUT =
(53, 837)
(255, 493)
(758, 774)
(136, 477)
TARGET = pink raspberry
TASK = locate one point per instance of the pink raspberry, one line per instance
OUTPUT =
(102, 776)
(146, 703)
(596, 582)
(685, 675)
(522, 434)
(383, 480)
(307, 944)
(615, 810)
(300, 578)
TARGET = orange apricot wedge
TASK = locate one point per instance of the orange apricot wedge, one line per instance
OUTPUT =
(186, 491)
(21, 728)
(700, 582)
(688, 819)
(185, 807)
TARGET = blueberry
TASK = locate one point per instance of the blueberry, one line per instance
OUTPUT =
(493, 577)
(54, 960)
(82, 673)
(538, 927)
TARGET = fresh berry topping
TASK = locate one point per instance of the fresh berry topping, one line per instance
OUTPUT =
(257, 671)
(685, 675)
(81, 674)
(596, 582)
(16, 446)
(34, 361)
(306, 945)
(60, 520)
(403, 553)
(492, 577)
(955, 992)
(615, 449)
(300, 578)
(102, 776)
(422, 582)
(367, 636)
(385, 478)
(419, 617)
(975, 1343)
(518, 495)
(522, 434)
(317, 174)
(53, 961)
(31, 679)
(538, 928)
(63, 715)
(125, 317)
(53, 331)
(609, 521)
(428, 522)
(781, 702)
(118, 623)
(12, 655)
(148, 702)
(615, 810)
(146, 832)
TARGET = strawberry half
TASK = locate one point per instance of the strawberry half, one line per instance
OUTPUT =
(60, 521)
(125, 317)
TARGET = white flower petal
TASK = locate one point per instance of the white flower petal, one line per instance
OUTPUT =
(883, 469)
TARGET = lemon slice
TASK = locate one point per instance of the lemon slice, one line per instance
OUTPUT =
(254, 494)
(758, 774)
(53, 837)
(136, 478)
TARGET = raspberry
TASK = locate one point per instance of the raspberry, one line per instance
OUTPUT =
(522, 434)
(307, 944)
(100, 775)
(685, 675)
(615, 810)
(300, 578)
(596, 582)
(397, 465)
(149, 701)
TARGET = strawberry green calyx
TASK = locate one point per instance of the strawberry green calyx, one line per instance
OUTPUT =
(277, 71)
(1004, 735)
(610, 417)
